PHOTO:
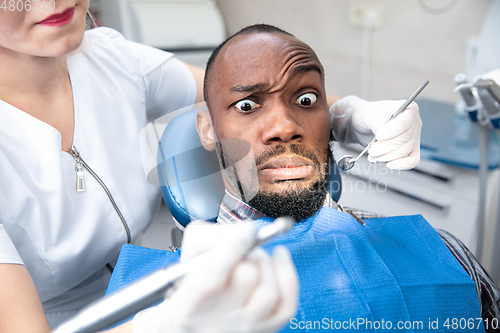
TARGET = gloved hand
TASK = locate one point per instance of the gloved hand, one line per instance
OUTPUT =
(355, 120)
(228, 293)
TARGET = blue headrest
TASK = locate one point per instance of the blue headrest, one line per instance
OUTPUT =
(190, 176)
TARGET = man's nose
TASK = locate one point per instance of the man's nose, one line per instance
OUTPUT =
(282, 125)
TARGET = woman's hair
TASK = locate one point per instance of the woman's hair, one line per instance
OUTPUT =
(90, 21)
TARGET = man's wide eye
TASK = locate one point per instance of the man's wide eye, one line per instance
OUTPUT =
(246, 105)
(306, 99)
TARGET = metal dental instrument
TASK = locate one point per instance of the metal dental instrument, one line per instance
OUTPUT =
(347, 162)
(150, 289)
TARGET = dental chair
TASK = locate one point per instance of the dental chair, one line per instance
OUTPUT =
(190, 177)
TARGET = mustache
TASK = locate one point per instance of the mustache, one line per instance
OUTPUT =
(278, 150)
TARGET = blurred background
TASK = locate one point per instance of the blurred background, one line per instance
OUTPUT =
(411, 40)
(375, 49)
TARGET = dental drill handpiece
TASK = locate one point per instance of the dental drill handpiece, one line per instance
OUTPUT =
(472, 103)
(150, 289)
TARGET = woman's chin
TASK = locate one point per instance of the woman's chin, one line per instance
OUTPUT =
(63, 47)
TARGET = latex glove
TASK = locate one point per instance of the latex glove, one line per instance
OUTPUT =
(355, 120)
(229, 293)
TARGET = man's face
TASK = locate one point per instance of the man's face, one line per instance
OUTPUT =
(267, 89)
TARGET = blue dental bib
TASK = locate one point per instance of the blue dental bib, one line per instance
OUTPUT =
(393, 274)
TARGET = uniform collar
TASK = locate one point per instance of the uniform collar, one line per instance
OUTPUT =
(233, 209)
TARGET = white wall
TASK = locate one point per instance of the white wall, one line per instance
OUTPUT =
(411, 45)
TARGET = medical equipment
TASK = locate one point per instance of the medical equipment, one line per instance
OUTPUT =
(487, 98)
(483, 56)
(482, 102)
(150, 290)
(347, 162)
(489, 92)
(472, 104)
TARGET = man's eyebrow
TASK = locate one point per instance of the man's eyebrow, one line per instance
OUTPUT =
(307, 68)
(262, 87)
(254, 88)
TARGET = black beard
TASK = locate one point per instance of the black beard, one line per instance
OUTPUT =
(299, 203)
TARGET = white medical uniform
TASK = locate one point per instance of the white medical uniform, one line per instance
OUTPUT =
(65, 238)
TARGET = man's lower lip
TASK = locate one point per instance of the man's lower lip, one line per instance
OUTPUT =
(298, 172)
(56, 22)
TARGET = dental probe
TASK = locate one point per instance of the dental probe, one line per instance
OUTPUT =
(347, 162)
(150, 289)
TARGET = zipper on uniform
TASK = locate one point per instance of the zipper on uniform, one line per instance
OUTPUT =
(80, 185)
(80, 181)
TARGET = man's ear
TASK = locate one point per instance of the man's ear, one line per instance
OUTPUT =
(205, 129)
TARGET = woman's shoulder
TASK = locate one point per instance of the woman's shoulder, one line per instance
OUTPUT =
(109, 47)
(104, 33)
(104, 36)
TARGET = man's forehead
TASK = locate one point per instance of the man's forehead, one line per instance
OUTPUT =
(263, 58)
(252, 45)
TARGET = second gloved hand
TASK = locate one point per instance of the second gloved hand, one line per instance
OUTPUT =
(355, 120)
(229, 292)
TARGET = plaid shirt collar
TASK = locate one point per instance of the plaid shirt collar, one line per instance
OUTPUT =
(233, 210)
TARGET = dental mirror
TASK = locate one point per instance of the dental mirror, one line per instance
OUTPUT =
(347, 162)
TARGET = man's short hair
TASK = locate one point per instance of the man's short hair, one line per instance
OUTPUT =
(252, 29)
